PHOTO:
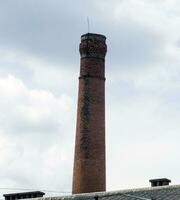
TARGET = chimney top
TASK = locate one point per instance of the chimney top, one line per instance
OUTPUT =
(93, 36)
(159, 182)
(93, 46)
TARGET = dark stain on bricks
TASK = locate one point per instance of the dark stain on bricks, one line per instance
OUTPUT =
(85, 119)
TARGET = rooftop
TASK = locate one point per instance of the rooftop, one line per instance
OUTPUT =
(152, 193)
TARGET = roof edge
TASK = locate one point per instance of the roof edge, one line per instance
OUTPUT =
(109, 193)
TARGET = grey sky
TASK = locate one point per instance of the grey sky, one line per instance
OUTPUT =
(39, 68)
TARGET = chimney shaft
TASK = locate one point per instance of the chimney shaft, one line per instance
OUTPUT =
(89, 174)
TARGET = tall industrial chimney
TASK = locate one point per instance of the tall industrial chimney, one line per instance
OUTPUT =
(89, 173)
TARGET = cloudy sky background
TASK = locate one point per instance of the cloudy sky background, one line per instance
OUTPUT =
(39, 68)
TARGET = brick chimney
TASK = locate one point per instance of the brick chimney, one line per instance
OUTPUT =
(89, 174)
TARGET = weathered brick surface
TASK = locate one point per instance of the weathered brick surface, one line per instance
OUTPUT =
(89, 160)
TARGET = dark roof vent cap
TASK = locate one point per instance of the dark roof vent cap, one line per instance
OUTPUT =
(159, 182)
(23, 195)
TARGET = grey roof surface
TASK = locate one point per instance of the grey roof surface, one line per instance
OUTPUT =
(153, 193)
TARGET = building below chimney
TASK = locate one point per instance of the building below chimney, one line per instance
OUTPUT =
(159, 182)
(23, 195)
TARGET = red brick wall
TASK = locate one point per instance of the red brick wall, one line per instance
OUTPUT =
(89, 173)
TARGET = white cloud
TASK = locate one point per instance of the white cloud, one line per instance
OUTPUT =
(33, 125)
(31, 110)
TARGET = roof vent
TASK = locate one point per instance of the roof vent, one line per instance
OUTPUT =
(159, 182)
(23, 195)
